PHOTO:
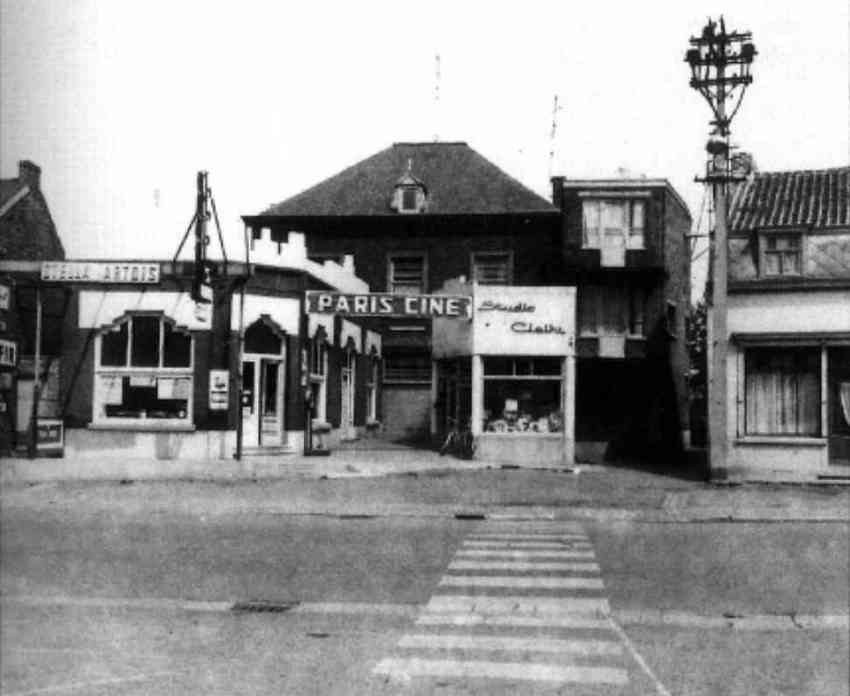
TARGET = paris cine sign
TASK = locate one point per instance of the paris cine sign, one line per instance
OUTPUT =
(370, 304)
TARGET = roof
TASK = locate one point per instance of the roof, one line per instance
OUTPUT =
(812, 198)
(458, 181)
(8, 189)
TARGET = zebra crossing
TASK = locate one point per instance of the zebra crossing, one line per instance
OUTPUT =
(521, 604)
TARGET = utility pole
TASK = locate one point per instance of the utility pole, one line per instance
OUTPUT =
(720, 70)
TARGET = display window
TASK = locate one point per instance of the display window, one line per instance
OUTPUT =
(523, 395)
(143, 372)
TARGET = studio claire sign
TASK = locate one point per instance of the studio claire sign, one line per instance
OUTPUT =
(371, 304)
(511, 320)
(100, 272)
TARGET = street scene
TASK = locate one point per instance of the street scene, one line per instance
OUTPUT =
(367, 349)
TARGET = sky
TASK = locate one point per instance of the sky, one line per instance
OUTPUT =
(121, 103)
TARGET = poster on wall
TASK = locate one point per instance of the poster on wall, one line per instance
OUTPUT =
(219, 389)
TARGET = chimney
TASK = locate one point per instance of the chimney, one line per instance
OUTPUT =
(558, 191)
(29, 173)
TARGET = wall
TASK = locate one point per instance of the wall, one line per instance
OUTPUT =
(789, 312)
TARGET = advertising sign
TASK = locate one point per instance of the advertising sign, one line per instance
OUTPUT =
(512, 320)
(50, 434)
(219, 389)
(8, 353)
(371, 304)
(100, 272)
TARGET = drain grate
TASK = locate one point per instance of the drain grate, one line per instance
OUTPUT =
(260, 606)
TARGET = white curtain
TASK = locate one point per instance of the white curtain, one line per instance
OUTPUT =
(844, 395)
(782, 392)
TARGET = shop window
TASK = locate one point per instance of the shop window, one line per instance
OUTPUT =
(782, 391)
(404, 367)
(143, 372)
(609, 310)
(491, 268)
(523, 395)
(613, 226)
(407, 274)
(781, 255)
(318, 377)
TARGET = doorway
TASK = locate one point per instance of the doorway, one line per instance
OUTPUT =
(347, 396)
(838, 388)
(262, 400)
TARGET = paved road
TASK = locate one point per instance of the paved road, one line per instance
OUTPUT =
(110, 602)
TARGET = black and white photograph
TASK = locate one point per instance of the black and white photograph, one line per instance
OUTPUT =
(454, 349)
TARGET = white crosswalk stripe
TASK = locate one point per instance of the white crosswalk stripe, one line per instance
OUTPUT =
(520, 602)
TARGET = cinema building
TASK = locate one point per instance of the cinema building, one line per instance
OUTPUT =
(146, 372)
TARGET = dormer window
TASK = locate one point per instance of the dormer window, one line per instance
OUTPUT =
(409, 194)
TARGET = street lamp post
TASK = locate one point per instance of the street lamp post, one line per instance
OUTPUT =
(720, 71)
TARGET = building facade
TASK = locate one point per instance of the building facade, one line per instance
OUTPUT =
(625, 248)
(788, 364)
(27, 234)
(413, 217)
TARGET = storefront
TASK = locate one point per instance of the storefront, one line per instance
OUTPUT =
(509, 374)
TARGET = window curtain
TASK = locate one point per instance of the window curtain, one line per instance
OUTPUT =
(782, 392)
(844, 396)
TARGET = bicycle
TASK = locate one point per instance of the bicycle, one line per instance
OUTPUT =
(459, 443)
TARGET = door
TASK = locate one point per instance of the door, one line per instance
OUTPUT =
(838, 389)
(271, 403)
(262, 401)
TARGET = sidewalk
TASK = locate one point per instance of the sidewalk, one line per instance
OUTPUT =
(406, 482)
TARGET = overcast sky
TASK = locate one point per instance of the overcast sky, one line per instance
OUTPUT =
(122, 102)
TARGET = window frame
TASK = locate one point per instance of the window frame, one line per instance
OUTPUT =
(509, 265)
(629, 232)
(798, 236)
(412, 254)
(155, 372)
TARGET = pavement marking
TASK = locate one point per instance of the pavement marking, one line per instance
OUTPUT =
(498, 643)
(519, 671)
(495, 553)
(537, 581)
(659, 687)
(565, 621)
(523, 565)
(528, 606)
(493, 536)
(73, 686)
(526, 544)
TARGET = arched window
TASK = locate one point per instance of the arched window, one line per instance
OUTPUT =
(143, 372)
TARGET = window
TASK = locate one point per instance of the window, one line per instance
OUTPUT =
(491, 268)
(144, 372)
(372, 390)
(781, 255)
(609, 310)
(407, 367)
(318, 377)
(782, 391)
(407, 274)
(613, 226)
(522, 394)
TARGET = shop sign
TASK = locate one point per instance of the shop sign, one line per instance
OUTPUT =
(219, 389)
(8, 353)
(370, 304)
(5, 294)
(50, 434)
(100, 272)
(511, 320)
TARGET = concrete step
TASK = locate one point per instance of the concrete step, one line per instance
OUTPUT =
(272, 451)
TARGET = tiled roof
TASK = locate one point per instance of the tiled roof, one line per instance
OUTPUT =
(458, 180)
(816, 198)
(8, 188)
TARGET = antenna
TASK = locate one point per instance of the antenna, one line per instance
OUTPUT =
(437, 98)
(555, 110)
